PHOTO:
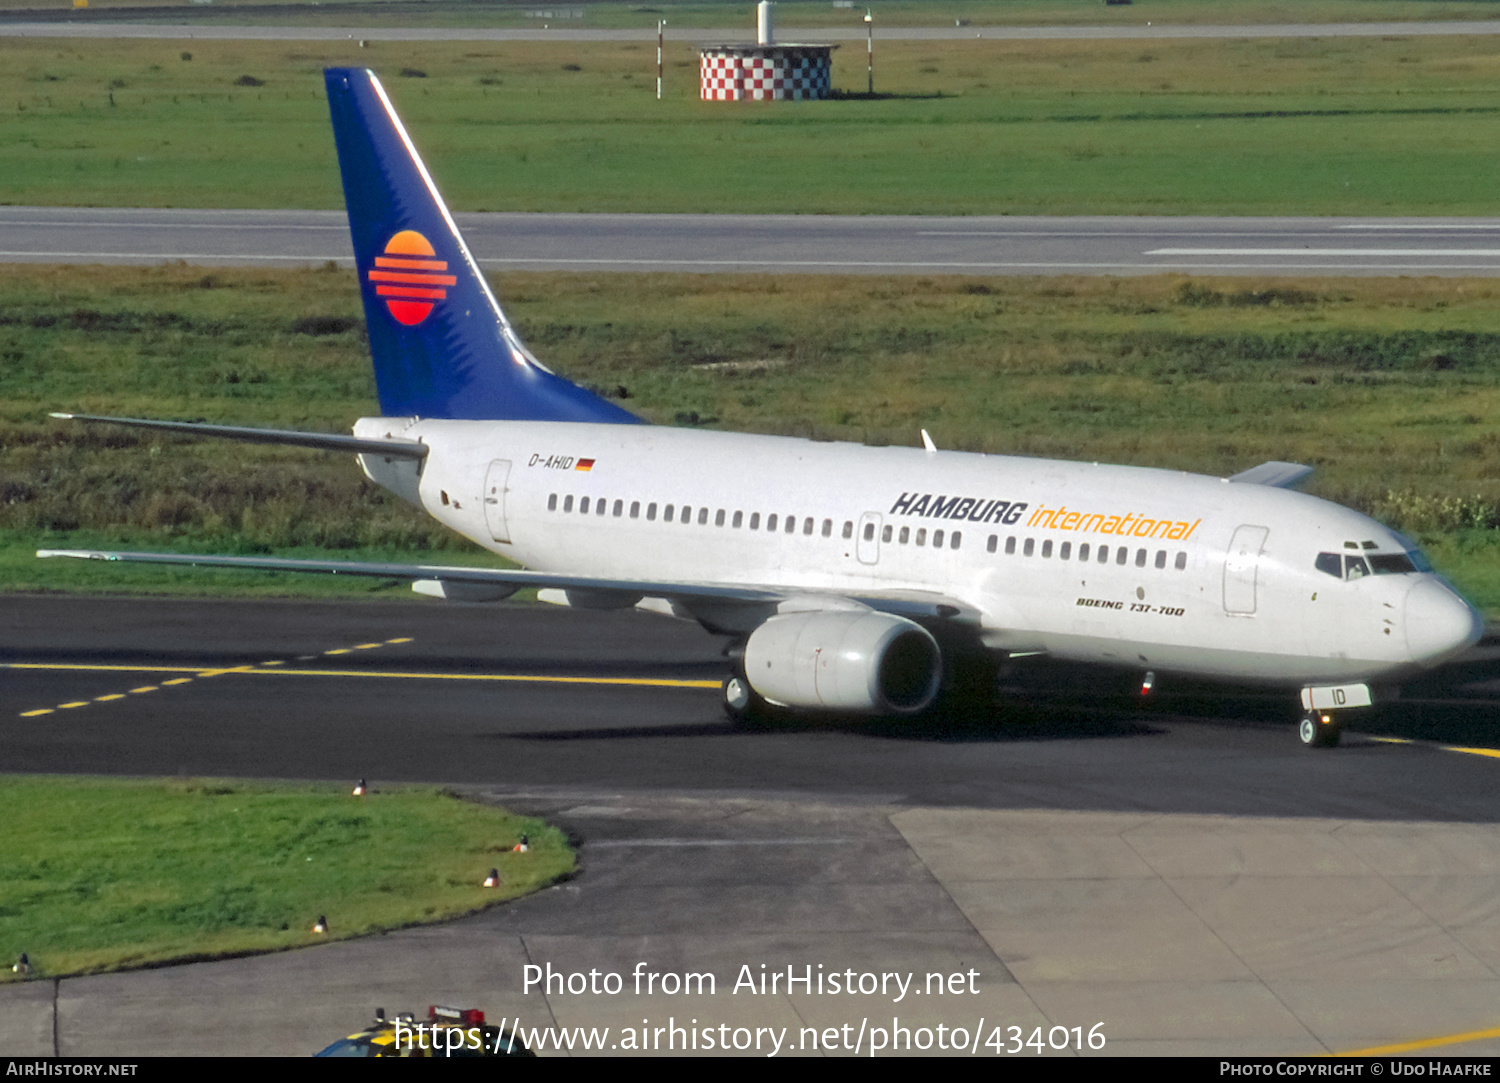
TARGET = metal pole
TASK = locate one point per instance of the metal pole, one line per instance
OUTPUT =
(870, 50)
(659, 24)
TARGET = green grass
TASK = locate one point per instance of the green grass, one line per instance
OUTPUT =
(101, 874)
(1390, 387)
(1279, 126)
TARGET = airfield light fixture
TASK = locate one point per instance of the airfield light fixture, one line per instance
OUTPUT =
(870, 50)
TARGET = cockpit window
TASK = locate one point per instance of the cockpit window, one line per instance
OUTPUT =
(1391, 563)
(1351, 566)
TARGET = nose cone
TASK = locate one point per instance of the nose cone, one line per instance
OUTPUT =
(1439, 623)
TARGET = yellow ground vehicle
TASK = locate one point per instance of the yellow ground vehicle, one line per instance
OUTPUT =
(446, 1032)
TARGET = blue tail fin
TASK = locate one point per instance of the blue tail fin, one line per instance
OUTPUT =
(441, 344)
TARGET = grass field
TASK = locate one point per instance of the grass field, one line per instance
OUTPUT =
(1281, 126)
(99, 874)
(1389, 387)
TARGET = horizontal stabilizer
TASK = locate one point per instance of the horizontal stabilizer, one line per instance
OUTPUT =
(326, 441)
(1279, 475)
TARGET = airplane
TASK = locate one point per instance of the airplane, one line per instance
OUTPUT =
(851, 579)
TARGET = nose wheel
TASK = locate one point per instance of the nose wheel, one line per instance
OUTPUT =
(1319, 729)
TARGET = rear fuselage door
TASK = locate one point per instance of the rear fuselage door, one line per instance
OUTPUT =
(496, 481)
(1241, 566)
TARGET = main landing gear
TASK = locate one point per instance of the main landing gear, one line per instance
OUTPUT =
(741, 702)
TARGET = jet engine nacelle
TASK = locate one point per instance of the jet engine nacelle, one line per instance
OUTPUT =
(844, 661)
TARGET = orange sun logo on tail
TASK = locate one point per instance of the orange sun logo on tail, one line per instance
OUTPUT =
(409, 277)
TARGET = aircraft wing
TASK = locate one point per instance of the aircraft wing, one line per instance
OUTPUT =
(1278, 474)
(484, 584)
(515, 579)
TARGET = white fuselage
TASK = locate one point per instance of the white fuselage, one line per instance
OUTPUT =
(1153, 569)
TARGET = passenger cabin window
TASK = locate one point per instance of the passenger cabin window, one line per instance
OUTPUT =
(770, 522)
(583, 506)
(1103, 554)
(937, 539)
(848, 529)
(885, 535)
(905, 535)
(1010, 545)
(1047, 548)
(989, 546)
(1065, 551)
(869, 532)
(739, 517)
(957, 537)
(635, 509)
(1029, 547)
(619, 508)
(567, 503)
(1083, 551)
(719, 518)
(755, 520)
(1181, 561)
(552, 502)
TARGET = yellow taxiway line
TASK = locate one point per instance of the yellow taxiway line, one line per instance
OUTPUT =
(532, 678)
(1423, 1043)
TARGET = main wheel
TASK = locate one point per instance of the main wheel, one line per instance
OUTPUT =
(741, 703)
(1319, 731)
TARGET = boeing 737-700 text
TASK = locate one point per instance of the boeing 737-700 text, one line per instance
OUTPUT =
(849, 577)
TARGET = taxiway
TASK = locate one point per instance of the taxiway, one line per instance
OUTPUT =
(1194, 880)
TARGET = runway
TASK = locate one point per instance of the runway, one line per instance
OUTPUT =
(170, 24)
(1187, 876)
(785, 244)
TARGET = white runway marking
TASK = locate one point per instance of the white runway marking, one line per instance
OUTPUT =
(1409, 252)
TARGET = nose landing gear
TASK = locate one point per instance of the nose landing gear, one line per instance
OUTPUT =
(1320, 729)
(1322, 724)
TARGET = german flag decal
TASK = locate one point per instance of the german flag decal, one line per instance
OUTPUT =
(409, 277)
(584, 464)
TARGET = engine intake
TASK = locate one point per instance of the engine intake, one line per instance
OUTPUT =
(844, 661)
